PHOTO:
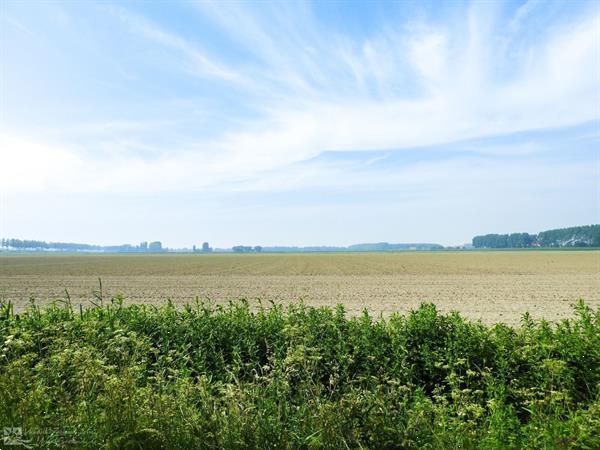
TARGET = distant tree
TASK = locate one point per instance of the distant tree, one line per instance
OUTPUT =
(258, 249)
(18, 243)
(241, 249)
(155, 246)
(520, 240)
(491, 241)
(584, 236)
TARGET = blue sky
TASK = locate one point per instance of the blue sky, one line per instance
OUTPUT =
(297, 123)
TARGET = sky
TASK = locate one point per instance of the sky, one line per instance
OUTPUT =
(297, 123)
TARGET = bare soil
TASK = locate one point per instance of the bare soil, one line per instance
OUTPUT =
(494, 286)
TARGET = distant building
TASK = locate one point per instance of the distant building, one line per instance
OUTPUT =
(144, 246)
(206, 248)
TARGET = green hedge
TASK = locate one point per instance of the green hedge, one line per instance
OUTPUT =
(298, 377)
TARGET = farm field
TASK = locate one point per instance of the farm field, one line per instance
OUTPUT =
(491, 286)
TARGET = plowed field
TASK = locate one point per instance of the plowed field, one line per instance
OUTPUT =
(491, 286)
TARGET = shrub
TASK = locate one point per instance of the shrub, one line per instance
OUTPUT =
(229, 377)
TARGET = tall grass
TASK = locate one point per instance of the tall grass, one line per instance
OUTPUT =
(298, 377)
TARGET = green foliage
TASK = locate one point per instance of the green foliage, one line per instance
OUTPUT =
(28, 244)
(513, 240)
(584, 236)
(145, 377)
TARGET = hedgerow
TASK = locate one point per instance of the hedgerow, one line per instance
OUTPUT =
(209, 376)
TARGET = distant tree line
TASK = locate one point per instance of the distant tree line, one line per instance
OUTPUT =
(514, 240)
(376, 247)
(584, 236)
(25, 244)
(246, 249)
(311, 249)
(386, 247)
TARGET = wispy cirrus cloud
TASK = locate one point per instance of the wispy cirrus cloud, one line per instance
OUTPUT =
(194, 60)
(250, 104)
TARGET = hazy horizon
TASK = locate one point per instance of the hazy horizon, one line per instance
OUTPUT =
(297, 123)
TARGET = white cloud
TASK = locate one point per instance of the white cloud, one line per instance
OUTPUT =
(197, 61)
(333, 94)
(429, 55)
(29, 166)
(521, 14)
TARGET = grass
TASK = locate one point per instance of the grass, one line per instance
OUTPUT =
(147, 377)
